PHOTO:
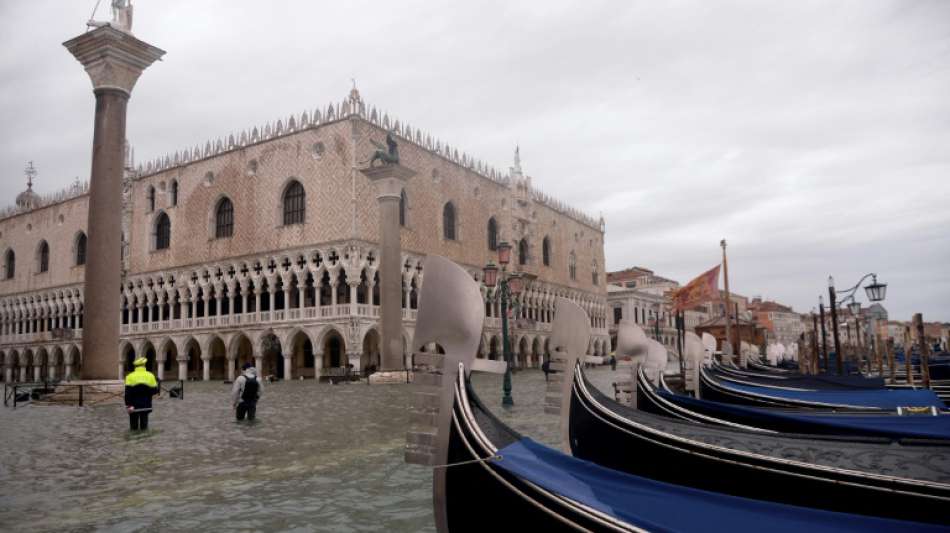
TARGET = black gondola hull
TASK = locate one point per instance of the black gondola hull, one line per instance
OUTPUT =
(718, 460)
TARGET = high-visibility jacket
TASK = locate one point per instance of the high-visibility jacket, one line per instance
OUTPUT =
(140, 386)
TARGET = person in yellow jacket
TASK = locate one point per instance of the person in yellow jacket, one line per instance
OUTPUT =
(140, 386)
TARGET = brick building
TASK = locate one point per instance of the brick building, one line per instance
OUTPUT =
(263, 246)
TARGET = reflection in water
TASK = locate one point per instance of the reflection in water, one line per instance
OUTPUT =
(319, 458)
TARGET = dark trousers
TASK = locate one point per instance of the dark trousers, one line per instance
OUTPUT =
(138, 421)
(246, 408)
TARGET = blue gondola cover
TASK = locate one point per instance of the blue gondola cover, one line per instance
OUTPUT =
(883, 399)
(658, 506)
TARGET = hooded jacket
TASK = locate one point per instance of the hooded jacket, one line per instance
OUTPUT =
(237, 391)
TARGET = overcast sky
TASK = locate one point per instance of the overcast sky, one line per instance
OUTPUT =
(813, 136)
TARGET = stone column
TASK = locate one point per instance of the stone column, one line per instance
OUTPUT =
(9, 374)
(52, 372)
(37, 373)
(390, 181)
(259, 364)
(231, 366)
(160, 370)
(183, 368)
(205, 369)
(114, 59)
(353, 300)
(288, 365)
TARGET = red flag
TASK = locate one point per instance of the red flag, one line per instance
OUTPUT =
(705, 287)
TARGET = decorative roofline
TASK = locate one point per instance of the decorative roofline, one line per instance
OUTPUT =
(351, 106)
(77, 189)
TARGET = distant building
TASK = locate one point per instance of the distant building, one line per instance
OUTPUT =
(782, 323)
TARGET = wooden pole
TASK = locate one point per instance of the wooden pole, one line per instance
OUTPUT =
(725, 277)
(738, 343)
(907, 364)
(924, 350)
(889, 352)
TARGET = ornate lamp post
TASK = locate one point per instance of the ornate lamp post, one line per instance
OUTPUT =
(509, 286)
(875, 291)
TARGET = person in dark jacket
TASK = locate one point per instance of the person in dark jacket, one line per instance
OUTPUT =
(245, 393)
(140, 386)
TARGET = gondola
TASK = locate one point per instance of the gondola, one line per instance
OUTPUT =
(854, 400)
(854, 475)
(500, 480)
(796, 380)
(930, 426)
(487, 477)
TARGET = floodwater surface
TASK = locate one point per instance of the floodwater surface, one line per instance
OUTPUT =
(320, 457)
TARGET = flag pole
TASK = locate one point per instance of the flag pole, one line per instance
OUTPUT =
(725, 276)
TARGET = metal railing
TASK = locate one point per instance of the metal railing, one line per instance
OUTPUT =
(20, 393)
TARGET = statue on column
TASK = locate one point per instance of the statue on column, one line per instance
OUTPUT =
(121, 17)
(387, 155)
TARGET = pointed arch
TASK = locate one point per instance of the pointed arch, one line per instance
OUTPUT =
(42, 257)
(294, 203)
(492, 234)
(403, 208)
(523, 251)
(449, 232)
(79, 249)
(162, 232)
(224, 218)
(546, 251)
(9, 264)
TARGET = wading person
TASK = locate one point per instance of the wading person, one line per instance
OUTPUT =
(546, 368)
(245, 393)
(140, 386)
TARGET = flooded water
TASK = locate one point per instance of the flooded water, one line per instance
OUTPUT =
(319, 458)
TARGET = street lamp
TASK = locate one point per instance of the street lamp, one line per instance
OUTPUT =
(509, 286)
(875, 291)
(855, 308)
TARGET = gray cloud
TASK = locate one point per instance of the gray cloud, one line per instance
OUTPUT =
(812, 135)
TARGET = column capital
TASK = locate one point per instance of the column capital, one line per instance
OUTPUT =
(389, 180)
(113, 59)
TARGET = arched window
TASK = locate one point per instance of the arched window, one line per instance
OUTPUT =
(81, 249)
(224, 219)
(43, 257)
(572, 266)
(174, 193)
(594, 275)
(10, 265)
(492, 234)
(295, 203)
(403, 201)
(448, 222)
(151, 199)
(163, 232)
(523, 252)
(546, 251)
